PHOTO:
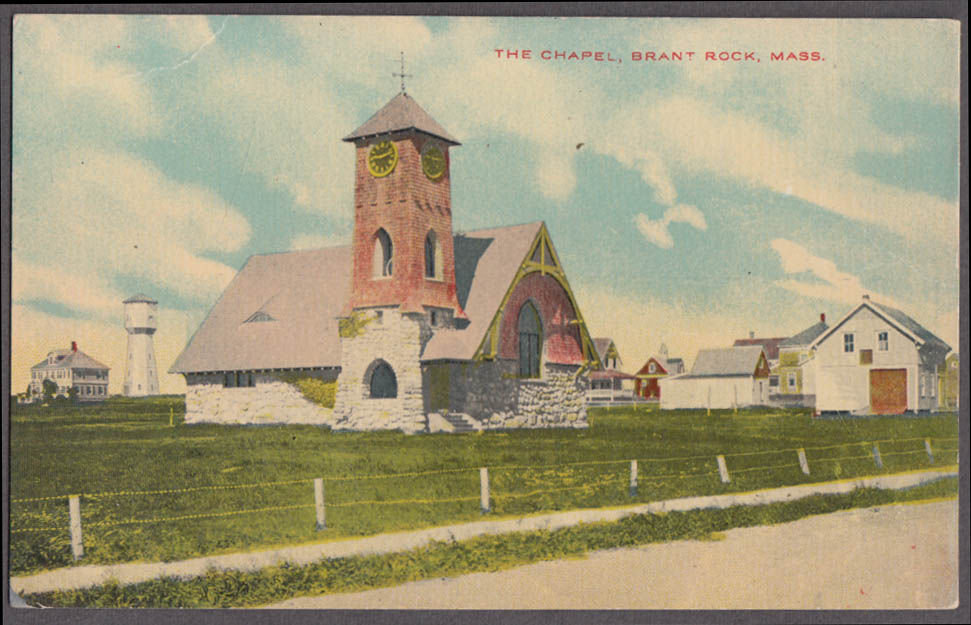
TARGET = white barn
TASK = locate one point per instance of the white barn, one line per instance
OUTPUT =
(877, 360)
(731, 377)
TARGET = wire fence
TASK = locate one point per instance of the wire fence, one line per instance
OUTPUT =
(507, 489)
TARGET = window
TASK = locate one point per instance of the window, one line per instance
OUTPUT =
(651, 368)
(883, 341)
(530, 330)
(382, 255)
(384, 384)
(866, 356)
(848, 343)
(791, 380)
(433, 257)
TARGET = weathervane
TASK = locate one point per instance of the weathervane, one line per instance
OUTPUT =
(402, 74)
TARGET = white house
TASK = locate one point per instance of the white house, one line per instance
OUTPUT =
(610, 384)
(877, 360)
(70, 369)
(730, 377)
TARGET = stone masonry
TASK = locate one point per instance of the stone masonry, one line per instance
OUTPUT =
(393, 337)
(270, 401)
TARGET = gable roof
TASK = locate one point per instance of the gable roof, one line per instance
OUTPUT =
(486, 262)
(302, 329)
(806, 336)
(770, 346)
(896, 318)
(401, 113)
(303, 292)
(726, 362)
(71, 360)
(602, 344)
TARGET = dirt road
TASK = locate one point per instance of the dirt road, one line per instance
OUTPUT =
(900, 556)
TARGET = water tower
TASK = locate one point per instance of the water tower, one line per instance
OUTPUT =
(141, 320)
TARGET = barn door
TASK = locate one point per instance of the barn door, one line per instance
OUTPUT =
(888, 391)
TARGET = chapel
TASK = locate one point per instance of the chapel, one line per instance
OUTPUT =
(411, 327)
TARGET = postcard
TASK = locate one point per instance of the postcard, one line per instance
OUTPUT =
(407, 312)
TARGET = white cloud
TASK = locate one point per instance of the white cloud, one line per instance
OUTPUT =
(699, 137)
(91, 216)
(835, 285)
(656, 230)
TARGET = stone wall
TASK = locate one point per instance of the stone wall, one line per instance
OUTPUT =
(270, 400)
(493, 394)
(396, 339)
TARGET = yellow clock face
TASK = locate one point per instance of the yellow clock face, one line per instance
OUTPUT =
(432, 162)
(382, 158)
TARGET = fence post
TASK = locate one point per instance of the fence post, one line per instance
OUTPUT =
(633, 478)
(74, 512)
(803, 463)
(484, 490)
(927, 446)
(876, 455)
(319, 503)
(723, 470)
(171, 417)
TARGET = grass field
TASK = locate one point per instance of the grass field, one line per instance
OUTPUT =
(203, 475)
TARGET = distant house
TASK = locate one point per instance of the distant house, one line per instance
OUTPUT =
(70, 369)
(648, 379)
(877, 360)
(731, 377)
(771, 348)
(609, 384)
(949, 377)
(796, 371)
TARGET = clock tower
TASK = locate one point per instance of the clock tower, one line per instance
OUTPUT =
(403, 268)
(402, 246)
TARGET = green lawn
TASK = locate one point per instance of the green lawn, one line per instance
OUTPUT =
(127, 445)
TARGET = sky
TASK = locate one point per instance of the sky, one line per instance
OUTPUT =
(690, 202)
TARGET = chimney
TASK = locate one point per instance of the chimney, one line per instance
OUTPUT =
(74, 346)
(822, 317)
(751, 334)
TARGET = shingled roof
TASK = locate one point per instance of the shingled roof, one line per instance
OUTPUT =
(726, 362)
(401, 113)
(300, 294)
(903, 322)
(71, 360)
(280, 311)
(805, 337)
(486, 262)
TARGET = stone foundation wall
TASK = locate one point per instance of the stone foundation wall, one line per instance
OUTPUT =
(496, 397)
(397, 339)
(270, 400)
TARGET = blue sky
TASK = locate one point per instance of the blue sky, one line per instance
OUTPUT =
(708, 199)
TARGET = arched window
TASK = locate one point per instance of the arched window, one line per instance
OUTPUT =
(382, 255)
(530, 329)
(383, 383)
(433, 262)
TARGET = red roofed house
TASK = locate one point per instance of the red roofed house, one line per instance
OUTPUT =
(420, 328)
(771, 348)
